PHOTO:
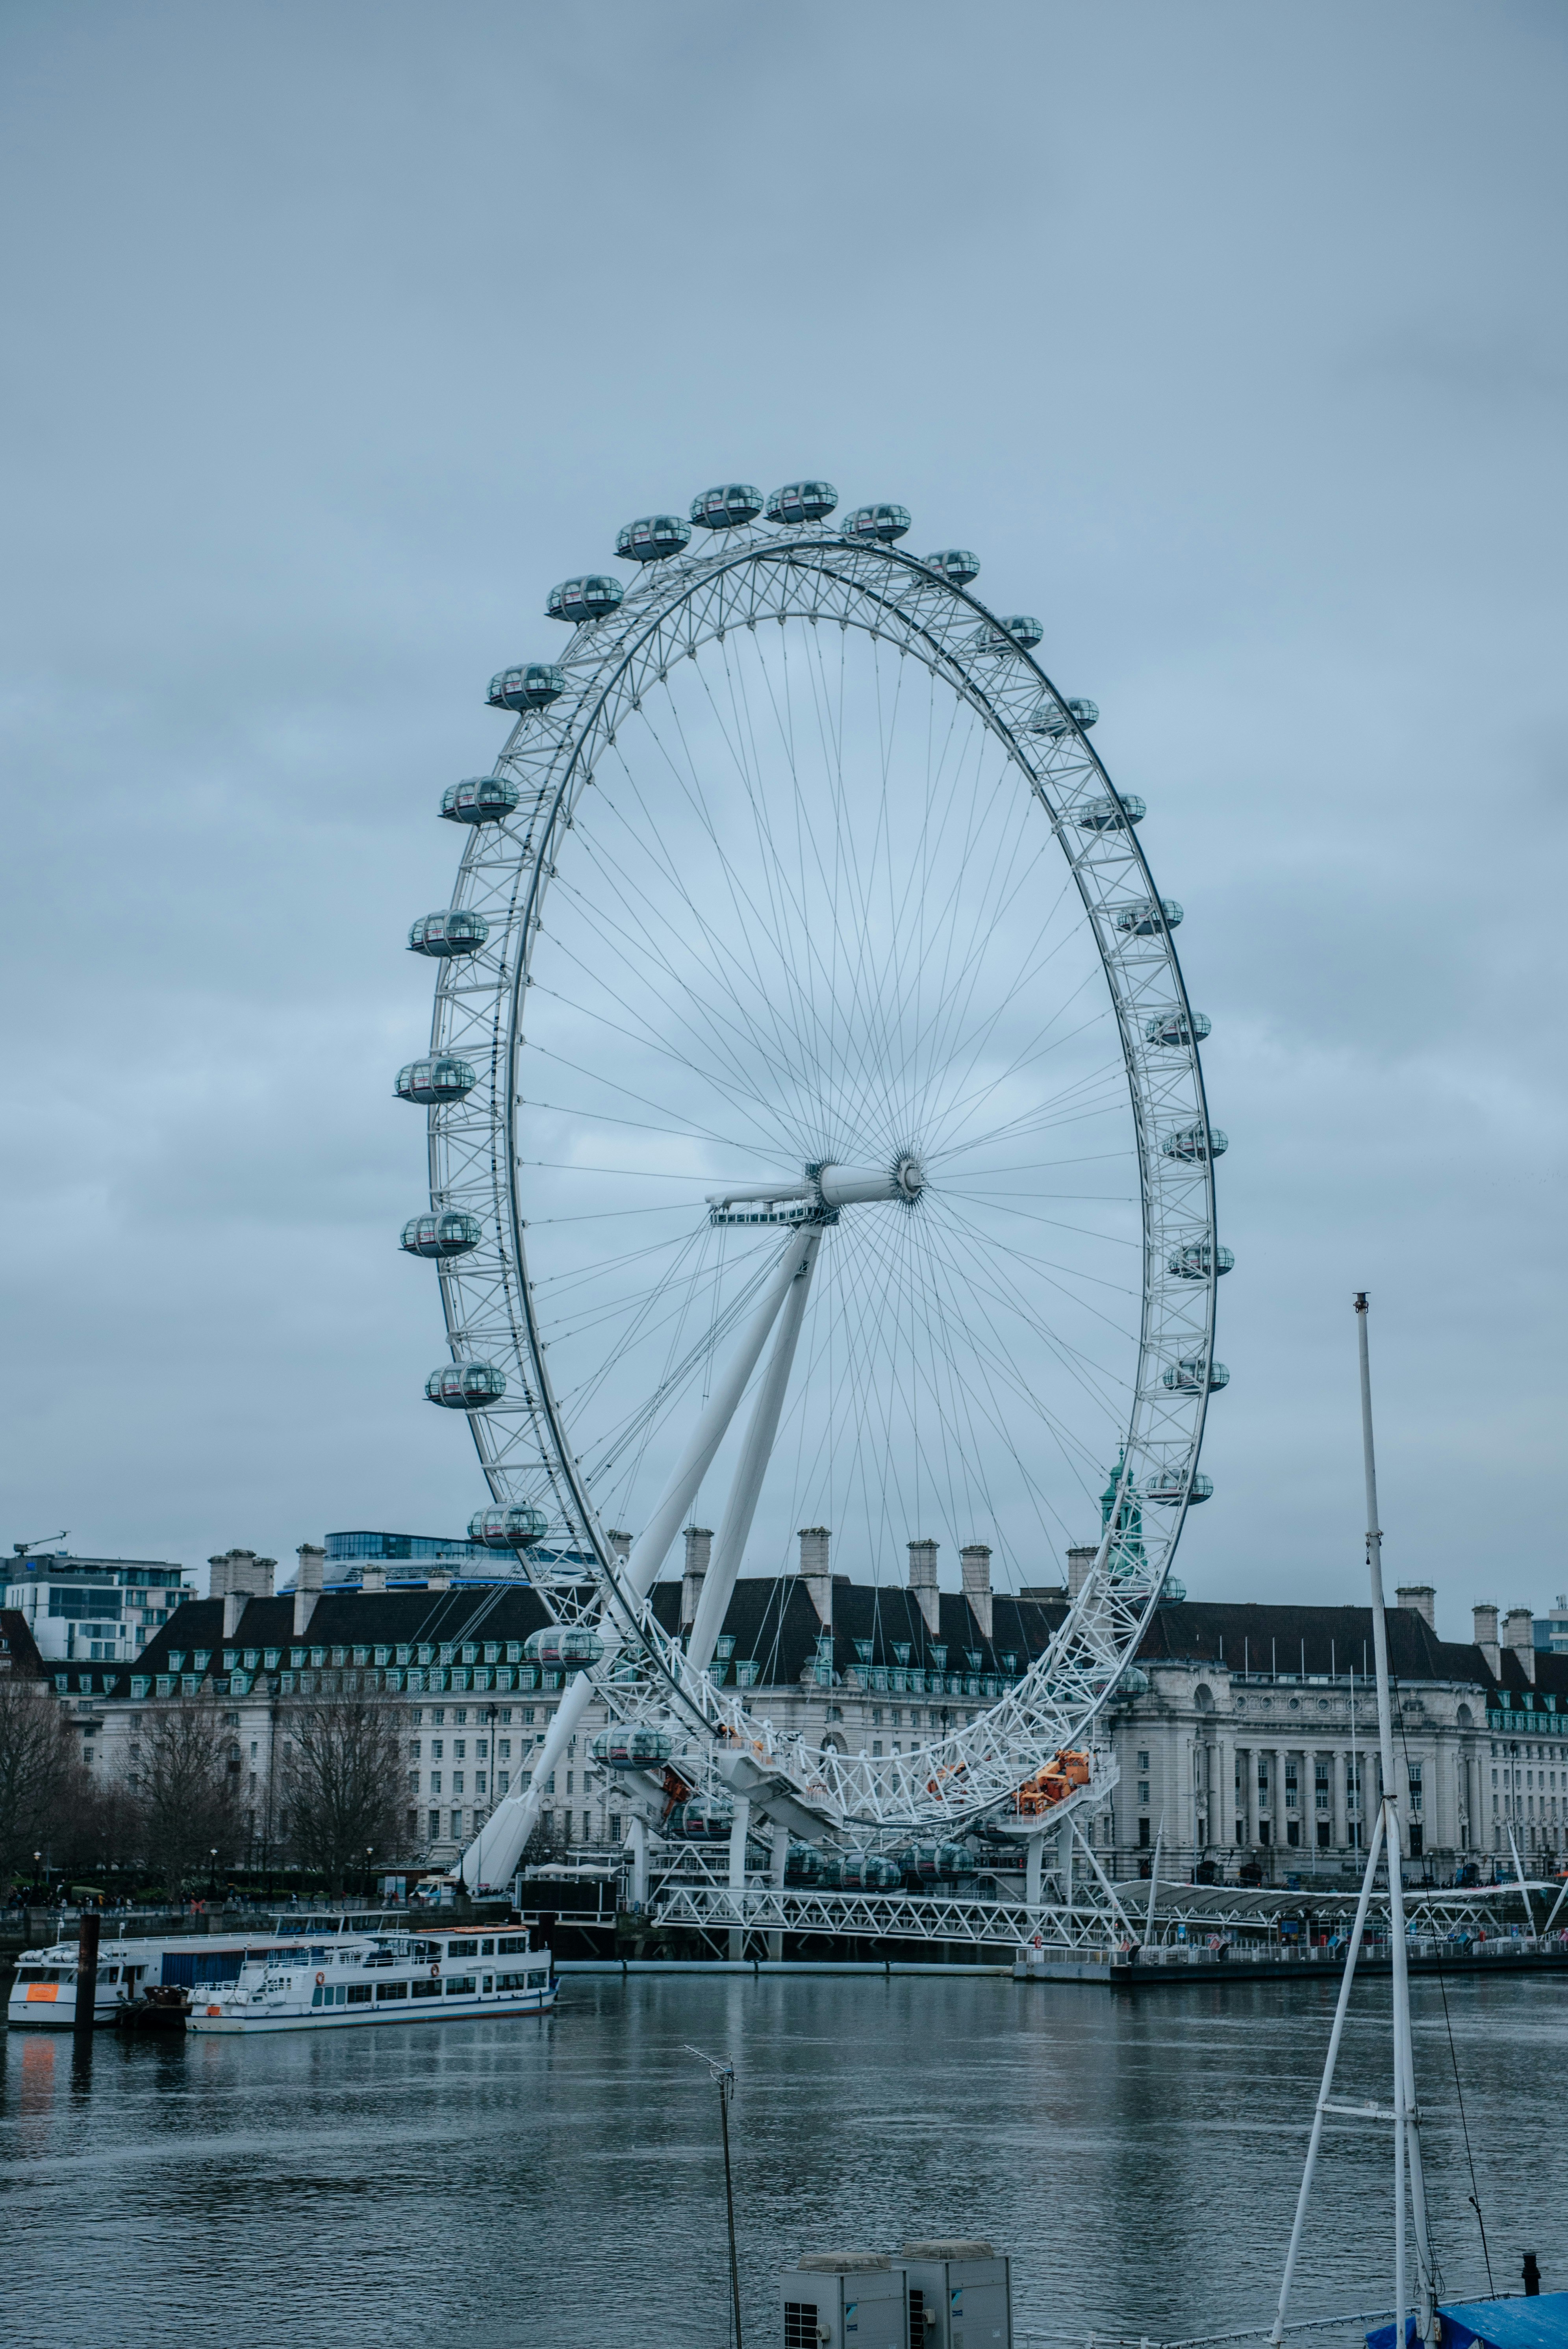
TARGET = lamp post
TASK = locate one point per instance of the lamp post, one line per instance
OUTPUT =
(212, 1873)
(368, 1880)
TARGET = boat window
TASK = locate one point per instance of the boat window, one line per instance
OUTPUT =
(514, 1945)
(514, 1981)
(489, 1981)
(30, 1973)
(487, 1948)
(359, 1993)
(536, 1981)
(427, 1989)
(462, 1948)
(392, 1990)
(461, 1985)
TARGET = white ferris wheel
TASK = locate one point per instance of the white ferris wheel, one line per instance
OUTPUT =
(817, 1136)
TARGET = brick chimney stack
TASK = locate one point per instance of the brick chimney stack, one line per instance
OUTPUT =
(923, 1582)
(816, 1571)
(308, 1581)
(1485, 1636)
(236, 1575)
(698, 1551)
(1079, 1562)
(1519, 1633)
(974, 1560)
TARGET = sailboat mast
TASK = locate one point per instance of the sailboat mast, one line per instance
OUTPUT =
(1406, 2126)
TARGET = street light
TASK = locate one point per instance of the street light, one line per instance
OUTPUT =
(212, 1873)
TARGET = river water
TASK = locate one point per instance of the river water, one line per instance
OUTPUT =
(558, 2183)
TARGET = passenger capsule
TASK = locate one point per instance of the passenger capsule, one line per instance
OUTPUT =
(1193, 1144)
(868, 1871)
(456, 931)
(564, 1648)
(1192, 1262)
(632, 1749)
(466, 1386)
(444, 1078)
(877, 524)
(955, 563)
(728, 507)
(652, 538)
(532, 687)
(446, 1233)
(1059, 717)
(803, 1865)
(1133, 1682)
(589, 598)
(802, 501)
(703, 1819)
(1186, 1376)
(1145, 918)
(1177, 1029)
(479, 799)
(515, 1524)
(1114, 814)
(1022, 628)
(1167, 1486)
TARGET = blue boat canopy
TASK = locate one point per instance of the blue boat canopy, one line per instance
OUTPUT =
(1538, 2323)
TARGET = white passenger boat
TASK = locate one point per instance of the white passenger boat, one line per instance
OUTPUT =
(44, 1988)
(398, 1976)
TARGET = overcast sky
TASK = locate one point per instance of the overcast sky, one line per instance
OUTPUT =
(1232, 337)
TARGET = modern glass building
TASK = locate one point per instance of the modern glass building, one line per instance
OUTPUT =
(94, 1609)
(401, 1548)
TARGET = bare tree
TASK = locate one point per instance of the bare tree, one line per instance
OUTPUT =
(343, 1785)
(38, 1770)
(185, 1791)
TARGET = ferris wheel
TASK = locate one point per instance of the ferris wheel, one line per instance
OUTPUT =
(816, 1138)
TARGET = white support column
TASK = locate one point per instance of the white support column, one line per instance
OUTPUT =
(737, 1835)
(1034, 1869)
(781, 1860)
(637, 1844)
(494, 1854)
(725, 1564)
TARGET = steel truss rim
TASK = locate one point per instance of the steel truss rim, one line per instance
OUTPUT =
(606, 654)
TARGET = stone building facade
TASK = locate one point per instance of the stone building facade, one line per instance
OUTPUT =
(1246, 1736)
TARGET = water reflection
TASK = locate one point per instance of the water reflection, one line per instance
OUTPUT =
(558, 2181)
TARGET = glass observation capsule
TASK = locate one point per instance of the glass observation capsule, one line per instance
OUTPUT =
(1193, 1144)
(479, 799)
(1134, 1681)
(955, 563)
(466, 1386)
(652, 538)
(877, 524)
(1166, 1486)
(591, 597)
(451, 1232)
(1144, 918)
(534, 686)
(1186, 1376)
(1114, 814)
(1018, 628)
(633, 1749)
(868, 1871)
(803, 1865)
(728, 507)
(1059, 717)
(569, 1649)
(455, 931)
(1192, 1262)
(703, 1819)
(802, 501)
(444, 1078)
(1175, 1029)
(509, 1526)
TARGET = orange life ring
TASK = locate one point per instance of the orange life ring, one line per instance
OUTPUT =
(434, 1971)
(320, 1979)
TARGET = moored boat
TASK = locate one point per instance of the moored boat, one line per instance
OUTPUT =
(403, 1975)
